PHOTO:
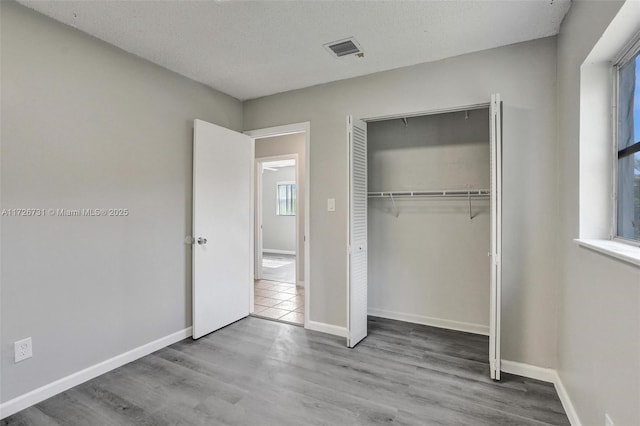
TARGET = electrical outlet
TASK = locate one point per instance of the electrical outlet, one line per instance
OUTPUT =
(23, 349)
(607, 420)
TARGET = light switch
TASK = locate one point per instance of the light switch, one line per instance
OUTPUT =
(331, 204)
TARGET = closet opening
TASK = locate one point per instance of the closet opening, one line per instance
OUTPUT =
(429, 220)
(424, 232)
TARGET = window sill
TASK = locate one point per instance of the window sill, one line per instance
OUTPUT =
(625, 252)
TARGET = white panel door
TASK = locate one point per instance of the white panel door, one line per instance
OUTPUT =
(357, 260)
(222, 162)
(495, 117)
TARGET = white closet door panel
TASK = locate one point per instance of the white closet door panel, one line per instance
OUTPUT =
(495, 117)
(357, 296)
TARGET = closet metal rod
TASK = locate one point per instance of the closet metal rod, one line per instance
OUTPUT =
(448, 193)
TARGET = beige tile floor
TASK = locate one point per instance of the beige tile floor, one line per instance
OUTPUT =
(279, 301)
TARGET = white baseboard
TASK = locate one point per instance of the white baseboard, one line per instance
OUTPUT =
(276, 251)
(433, 322)
(566, 402)
(527, 370)
(47, 391)
(546, 375)
(326, 328)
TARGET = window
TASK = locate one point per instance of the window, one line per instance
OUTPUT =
(628, 146)
(608, 206)
(286, 202)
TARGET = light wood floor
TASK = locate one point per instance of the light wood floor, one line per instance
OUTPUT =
(259, 372)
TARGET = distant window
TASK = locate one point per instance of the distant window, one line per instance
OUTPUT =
(286, 202)
(628, 146)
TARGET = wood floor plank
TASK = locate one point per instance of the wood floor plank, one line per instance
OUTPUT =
(31, 416)
(259, 372)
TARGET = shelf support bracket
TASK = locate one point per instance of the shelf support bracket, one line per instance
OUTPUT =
(396, 212)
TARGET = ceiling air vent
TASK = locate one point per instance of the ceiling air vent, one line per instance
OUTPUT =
(344, 47)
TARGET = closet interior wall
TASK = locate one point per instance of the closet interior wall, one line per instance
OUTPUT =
(428, 260)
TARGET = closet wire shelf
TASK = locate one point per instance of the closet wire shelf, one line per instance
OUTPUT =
(466, 194)
(448, 193)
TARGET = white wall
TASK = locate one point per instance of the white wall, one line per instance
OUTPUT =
(429, 264)
(525, 75)
(290, 144)
(86, 125)
(599, 321)
(278, 232)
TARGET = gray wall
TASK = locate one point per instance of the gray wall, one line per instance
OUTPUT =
(599, 322)
(431, 261)
(290, 144)
(278, 232)
(86, 125)
(525, 75)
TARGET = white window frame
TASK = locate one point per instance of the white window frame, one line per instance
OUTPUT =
(596, 140)
(286, 182)
(630, 50)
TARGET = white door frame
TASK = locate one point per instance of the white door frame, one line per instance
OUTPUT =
(304, 127)
(496, 290)
(257, 226)
(259, 243)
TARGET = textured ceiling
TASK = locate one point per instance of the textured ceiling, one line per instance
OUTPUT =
(250, 49)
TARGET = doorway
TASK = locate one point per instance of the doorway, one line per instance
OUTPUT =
(276, 293)
(280, 213)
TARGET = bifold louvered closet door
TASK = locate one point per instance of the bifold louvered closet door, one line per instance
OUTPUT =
(357, 302)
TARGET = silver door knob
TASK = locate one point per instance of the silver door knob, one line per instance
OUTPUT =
(202, 241)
